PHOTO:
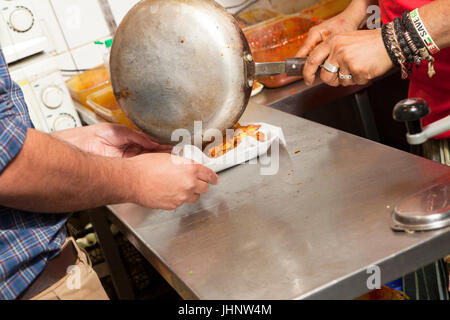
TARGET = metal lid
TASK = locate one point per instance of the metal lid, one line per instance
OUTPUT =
(174, 62)
(426, 210)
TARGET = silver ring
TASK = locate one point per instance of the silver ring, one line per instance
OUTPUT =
(330, 67)
(345, 76)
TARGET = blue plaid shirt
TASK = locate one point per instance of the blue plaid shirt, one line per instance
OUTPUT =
(27, 240)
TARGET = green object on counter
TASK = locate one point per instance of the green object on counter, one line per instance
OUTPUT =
(107, 43)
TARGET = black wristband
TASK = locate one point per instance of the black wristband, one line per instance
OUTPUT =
(399, 29)
(386, 44)
(412, 30)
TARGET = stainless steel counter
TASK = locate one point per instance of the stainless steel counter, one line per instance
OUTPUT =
(310, 231)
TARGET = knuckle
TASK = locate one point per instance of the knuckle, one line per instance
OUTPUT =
(340, 49)
(205, 189)
(190, 184)
(346, 57)
(181, 198)
(314, 29)
(171, 206)
(313, 60)
(338, 38)
(334, 83)
(357, 70)
(194, 169)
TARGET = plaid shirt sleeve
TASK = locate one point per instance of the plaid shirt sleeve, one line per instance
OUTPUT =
(14, 118)
(27, 240)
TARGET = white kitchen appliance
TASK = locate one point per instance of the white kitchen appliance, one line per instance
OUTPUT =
(48, 99)
(20, 32)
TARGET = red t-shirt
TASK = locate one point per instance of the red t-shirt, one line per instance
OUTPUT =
(436, 91)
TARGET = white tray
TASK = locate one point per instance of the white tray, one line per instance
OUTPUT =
(248, 149)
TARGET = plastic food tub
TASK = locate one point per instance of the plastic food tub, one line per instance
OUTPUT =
(254, 16)
(276, 40)
(326, 9)
(105, 105)
(88, 82)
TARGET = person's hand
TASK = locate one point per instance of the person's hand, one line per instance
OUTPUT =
(164, 181)
(361, 54)
(343, 22)
(111, 140)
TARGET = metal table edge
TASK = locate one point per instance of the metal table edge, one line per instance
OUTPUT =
(155, 260)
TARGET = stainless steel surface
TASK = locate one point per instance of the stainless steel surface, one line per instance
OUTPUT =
(298, 98)
(264, 69)
(426, 210)
(293, 65)
(310, 231)
(174, 62)
(108, 15)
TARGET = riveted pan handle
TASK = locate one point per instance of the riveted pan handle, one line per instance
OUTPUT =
(292, 67)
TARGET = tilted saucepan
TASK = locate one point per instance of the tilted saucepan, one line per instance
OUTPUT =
(174, 62)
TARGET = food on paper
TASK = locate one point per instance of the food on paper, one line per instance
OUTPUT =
(230, 143)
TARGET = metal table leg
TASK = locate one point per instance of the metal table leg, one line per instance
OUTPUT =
(368, 121)
(111, 253)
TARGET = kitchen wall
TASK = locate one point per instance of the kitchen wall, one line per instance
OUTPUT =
(73, 25)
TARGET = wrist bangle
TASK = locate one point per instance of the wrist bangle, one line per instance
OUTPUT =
(423, 32)
(393, 46)
(386, 40)
(400, 55)
(413, 47)
(399, 30)
(406, 20)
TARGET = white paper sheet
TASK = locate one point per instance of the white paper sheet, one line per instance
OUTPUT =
(248, 149)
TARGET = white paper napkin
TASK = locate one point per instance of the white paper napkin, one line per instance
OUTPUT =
(248, 149)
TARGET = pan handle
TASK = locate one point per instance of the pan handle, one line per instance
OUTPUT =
(294, 66)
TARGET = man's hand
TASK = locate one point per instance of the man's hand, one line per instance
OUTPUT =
(317, 34)
(164, 181)
(361, 54)
(110, 140)
(347, 21)
(56, 177)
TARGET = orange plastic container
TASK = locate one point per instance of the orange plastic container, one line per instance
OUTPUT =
(326, 9)
(105, 105)
(88, 82)
(254, 16)
(276, 40)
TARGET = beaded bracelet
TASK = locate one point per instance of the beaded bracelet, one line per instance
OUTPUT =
(406, 20)
(412, 46)
(394, 49)
(399, 30)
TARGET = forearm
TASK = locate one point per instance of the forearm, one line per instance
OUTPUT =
(51, 176)
(435, 17)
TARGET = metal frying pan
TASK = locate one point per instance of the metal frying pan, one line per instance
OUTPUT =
(174, 62)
